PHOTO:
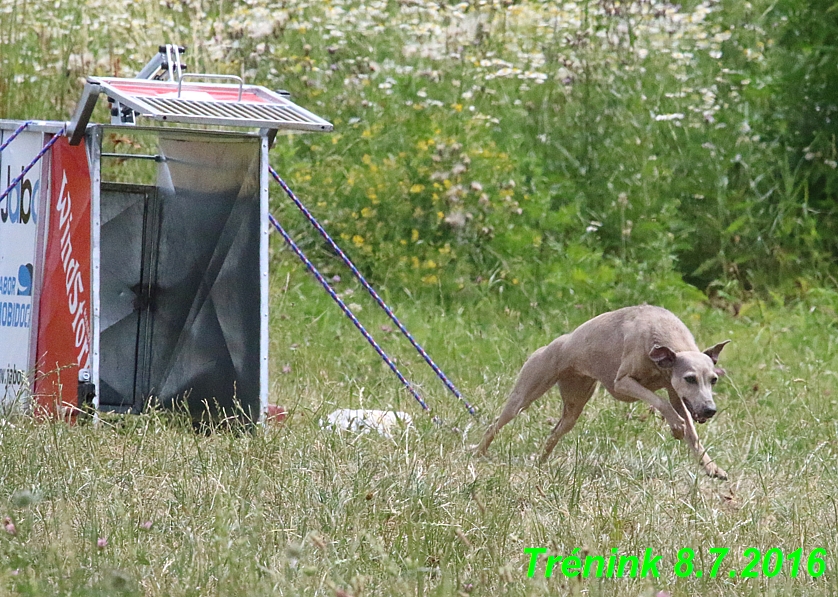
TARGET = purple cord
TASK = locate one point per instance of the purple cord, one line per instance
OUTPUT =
(333, 245)
(347, 311)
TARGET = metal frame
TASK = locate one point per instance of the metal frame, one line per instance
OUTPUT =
(264, 258)
(40, 256)
(153, 65)
(161, 64)
(35, 126)
(175, 101)
(83, 112)
(205, 76)
(94, 150)
(93, 137)
(258, 107)
(259, 401)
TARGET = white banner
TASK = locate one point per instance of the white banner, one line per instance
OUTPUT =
(19, 219)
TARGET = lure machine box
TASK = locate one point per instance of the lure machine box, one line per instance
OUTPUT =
(115, 293)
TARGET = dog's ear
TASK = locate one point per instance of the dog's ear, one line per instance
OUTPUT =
(719, 371)
(713, 352)
(663, 356)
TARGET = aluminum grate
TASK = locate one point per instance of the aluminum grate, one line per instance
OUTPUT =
(219, 104)
(230, 111)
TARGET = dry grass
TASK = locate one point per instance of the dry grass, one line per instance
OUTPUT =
(142, 505)
(299, 510)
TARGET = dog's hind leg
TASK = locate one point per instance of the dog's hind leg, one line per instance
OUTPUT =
(576, 391)
(540, 373)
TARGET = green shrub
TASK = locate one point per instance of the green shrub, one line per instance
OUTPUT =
(532, 148)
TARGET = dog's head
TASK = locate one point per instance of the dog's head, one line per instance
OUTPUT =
(693, 376)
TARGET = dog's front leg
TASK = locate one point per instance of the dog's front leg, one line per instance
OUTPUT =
(629, 387)
(691, 438)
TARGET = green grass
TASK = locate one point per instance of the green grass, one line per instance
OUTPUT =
(299, 510)
(476, 141)
(535, 124)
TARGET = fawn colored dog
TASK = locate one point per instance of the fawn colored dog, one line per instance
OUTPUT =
(632, 352)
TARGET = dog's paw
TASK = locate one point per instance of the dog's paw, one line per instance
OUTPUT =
(678, 429)
(715, 471)
(479, 451)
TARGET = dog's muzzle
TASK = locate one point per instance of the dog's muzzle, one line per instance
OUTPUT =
(700, 417)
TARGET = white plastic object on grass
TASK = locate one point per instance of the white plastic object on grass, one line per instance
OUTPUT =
(385, 422)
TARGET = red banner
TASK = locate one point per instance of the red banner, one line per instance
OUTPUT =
(64, 330)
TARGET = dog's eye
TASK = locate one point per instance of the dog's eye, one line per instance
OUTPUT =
(691, 379)
(713, 381)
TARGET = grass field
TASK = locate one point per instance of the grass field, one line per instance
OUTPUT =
(143, 505)
(503, 171)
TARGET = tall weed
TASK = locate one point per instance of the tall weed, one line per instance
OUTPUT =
(530, 149)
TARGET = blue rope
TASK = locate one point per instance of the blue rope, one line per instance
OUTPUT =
(347, 311)
(31, 165)
(11, 138)
(371, 290)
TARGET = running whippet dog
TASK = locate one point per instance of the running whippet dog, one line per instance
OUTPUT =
(632, 352)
